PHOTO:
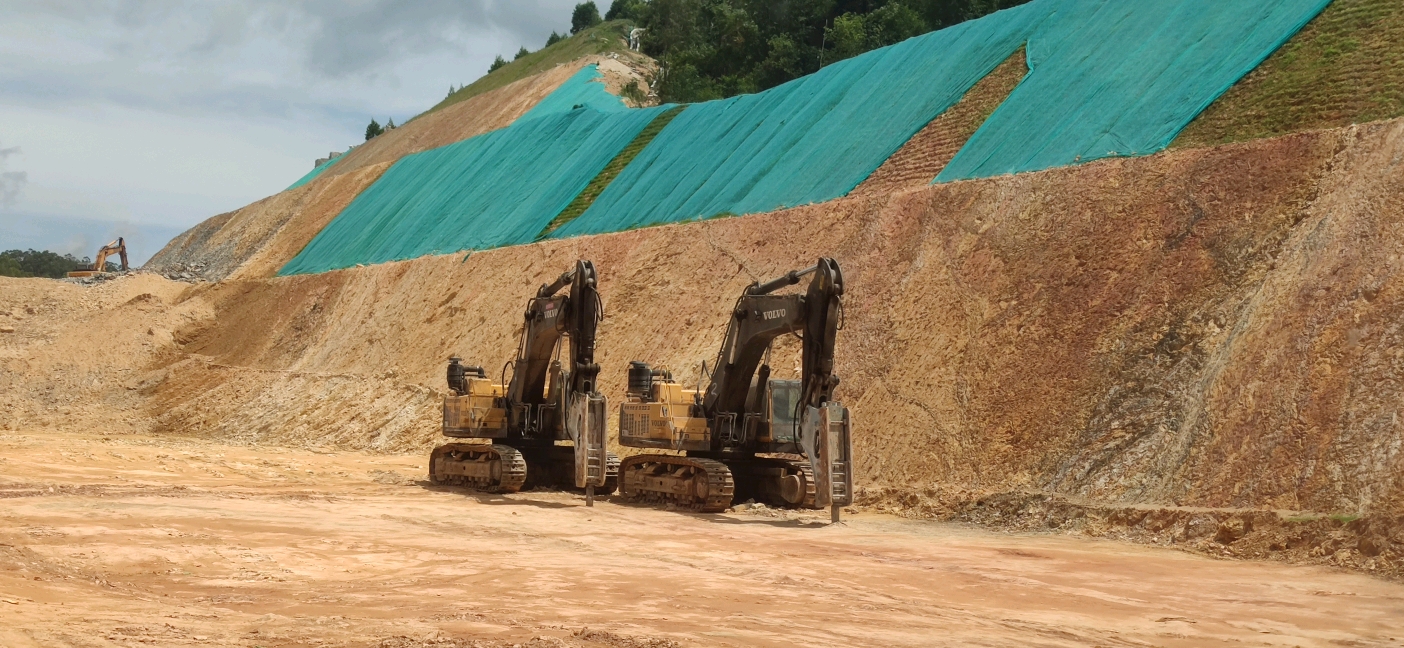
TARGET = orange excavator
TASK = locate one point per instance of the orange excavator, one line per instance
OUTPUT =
(99, 266)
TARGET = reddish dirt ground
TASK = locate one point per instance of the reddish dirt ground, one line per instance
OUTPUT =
(132, 540)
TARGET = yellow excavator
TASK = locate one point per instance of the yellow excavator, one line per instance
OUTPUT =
(99, 266)
(746, 436)
(546, 424)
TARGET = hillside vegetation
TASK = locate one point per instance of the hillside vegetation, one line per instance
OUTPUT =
(1346, 67)
(720, 48)
(603, 38)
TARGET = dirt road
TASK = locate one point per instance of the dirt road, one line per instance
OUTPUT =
(128, 541)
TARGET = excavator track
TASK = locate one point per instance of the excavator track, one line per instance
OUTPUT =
(492, 468)
(703, 485)
(775, 481)
(806, 475)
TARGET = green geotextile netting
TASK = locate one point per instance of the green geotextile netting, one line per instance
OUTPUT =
(1118, 77)
(582, 89)
(496, 189)
(312, 175)
(1121, 78)
(809, 140)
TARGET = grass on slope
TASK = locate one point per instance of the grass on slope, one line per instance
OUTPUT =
(1345, 67)
(601, 39)
(611, 171)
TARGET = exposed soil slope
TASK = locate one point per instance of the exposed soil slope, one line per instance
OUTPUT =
(216, 247)
(1207, 327)
(272, 230)
(1202, 328)
(923, 157)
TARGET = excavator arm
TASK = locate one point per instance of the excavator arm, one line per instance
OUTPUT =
(759, 318)
(118, 247)
(575, 314)
(585, 405)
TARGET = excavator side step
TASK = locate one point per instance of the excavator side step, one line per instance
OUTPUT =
(700, 484)
(492, 468)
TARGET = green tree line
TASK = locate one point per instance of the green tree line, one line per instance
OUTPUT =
(711, 49)
(35, 263)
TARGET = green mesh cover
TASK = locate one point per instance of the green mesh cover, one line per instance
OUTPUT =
(1110, 77)
(582, 89)
(1115, 78)
(312, 175)
(496, 189)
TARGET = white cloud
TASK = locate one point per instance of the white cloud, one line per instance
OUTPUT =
(168, 112)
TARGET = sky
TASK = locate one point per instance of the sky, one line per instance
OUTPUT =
(141, 118)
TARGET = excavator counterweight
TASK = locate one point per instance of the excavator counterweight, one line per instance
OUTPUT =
(543, 402)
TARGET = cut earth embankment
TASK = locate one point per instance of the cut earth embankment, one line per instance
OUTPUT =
(1201, 328)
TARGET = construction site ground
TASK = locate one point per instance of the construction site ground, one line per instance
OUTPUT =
(128, 540)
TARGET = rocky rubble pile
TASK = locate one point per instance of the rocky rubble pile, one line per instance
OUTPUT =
(187, 272)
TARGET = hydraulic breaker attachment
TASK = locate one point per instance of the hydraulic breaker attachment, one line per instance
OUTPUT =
(825, 437)
(585, 423)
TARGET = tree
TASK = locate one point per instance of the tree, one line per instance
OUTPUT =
(390, 125)
(9, 267)
(586, 15)
(496, 63)
(554, 38)
(626, 10)
(709, 49)
(892, 24)
(520, 53)
(847, 38)
(373, 129)
(35, 263)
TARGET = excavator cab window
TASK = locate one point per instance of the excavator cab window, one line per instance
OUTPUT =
(784, 394)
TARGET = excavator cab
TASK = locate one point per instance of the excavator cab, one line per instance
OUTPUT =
(783, 398)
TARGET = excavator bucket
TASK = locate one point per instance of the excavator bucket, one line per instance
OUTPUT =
(585, 423)
(825, 437)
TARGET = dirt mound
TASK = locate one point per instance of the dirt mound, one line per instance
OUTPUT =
(73, 357)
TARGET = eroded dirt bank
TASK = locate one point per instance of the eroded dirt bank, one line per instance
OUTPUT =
(131, 540)
(1210, 328)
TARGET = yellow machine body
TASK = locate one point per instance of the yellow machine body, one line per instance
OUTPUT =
(477, 414)
(663, 420)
